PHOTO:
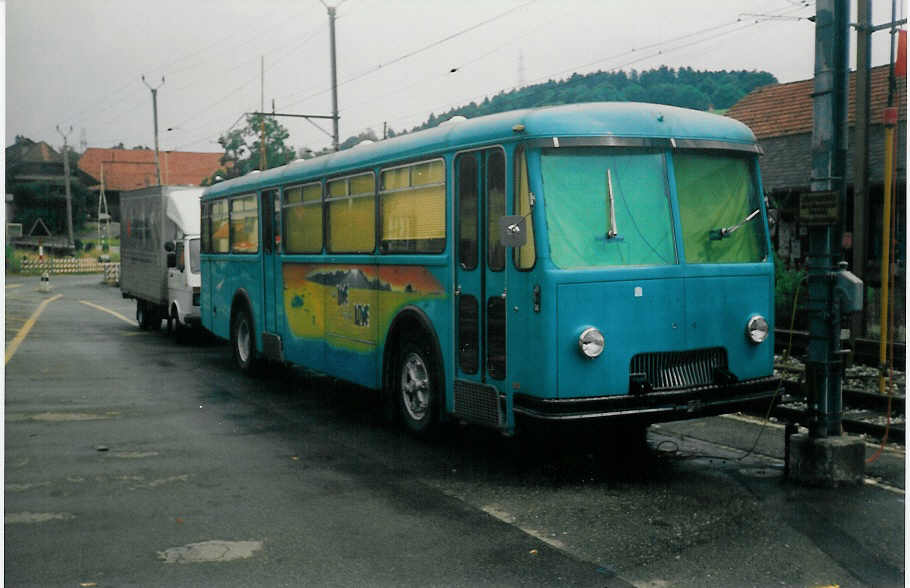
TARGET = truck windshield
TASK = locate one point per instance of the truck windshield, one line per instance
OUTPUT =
(606, 207)
(194, 256)
(719, 208)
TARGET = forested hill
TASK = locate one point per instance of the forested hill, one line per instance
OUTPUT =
(701, 90)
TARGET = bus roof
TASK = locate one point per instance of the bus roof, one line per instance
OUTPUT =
(632, 120)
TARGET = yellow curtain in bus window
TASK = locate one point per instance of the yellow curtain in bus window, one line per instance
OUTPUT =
(220, 227)
(413, 205)
(303, 211)
(352, 224)
(244, 225)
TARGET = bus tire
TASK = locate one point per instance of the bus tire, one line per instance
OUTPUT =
(415, 383)
(243, 341)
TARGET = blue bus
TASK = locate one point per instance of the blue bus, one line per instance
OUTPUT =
(590, 261)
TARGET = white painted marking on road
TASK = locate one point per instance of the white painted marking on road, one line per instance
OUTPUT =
(134, 454)
(107, 310)
(210, 551)
(497, 513)
(11, 286)
(883, 486)
(24, 487)
(23, 332)
(30, 518)
(57, 417)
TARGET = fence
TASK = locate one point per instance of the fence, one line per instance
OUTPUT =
(71, 266)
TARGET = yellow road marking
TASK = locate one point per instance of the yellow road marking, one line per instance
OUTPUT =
(13, 285)
(107, 310)
(23, 332)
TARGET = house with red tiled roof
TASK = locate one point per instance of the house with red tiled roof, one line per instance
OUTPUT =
(131, 169)
(780, 115)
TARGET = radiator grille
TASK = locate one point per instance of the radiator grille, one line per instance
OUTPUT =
(671, 370)
(477, 403)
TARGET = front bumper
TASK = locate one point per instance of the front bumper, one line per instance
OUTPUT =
(652, 407)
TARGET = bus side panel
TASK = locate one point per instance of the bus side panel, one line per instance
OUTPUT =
(350, 299)
(303, 304)
(420, 287)
(227, 278)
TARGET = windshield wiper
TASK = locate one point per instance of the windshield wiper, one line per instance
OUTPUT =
(718, 234)
(611, 232)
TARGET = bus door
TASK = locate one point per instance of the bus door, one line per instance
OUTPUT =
(271, 275)
(479, 333)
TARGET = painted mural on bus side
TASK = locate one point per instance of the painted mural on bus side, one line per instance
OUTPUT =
(350, 305)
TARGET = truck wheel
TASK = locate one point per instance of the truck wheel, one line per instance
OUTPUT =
(179, 330)
(416, 384)
(142, 315)
(243, 341)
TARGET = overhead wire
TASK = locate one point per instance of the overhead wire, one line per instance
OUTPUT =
(621, 65)
(410, 54)
(114, 99)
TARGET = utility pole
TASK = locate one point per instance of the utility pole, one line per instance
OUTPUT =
(155, 119)
(825, 456)
(861, 152)
(66, 181)
(331, 10)
(262, 159)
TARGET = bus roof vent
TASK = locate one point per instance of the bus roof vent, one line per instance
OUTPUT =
(251, 172)
(364, 142)
(455, 119)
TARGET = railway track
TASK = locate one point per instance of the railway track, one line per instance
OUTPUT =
(866, 351)
(865, 410)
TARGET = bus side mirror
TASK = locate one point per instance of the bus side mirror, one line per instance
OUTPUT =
(171, 259)
(169, 246)
(513, 231)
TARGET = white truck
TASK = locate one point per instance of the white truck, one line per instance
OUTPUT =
(159, 255)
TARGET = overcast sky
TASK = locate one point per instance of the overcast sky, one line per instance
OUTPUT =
(80, 62)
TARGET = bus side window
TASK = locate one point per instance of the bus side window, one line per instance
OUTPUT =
(303, 219)
(523, 257)
(244, 215)
(220, 227)
(352, 214)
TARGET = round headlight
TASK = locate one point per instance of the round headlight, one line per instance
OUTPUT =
(757, 329)
(591, 343)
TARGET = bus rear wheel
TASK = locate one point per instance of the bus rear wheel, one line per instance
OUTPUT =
(416, 386)
(243, 341)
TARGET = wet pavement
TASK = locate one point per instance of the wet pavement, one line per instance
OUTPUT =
(131, 460)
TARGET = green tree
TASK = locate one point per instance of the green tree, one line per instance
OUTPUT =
(242, 147)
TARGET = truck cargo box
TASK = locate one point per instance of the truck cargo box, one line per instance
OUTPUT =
(149, 218)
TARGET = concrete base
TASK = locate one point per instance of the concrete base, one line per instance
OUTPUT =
(829, 462)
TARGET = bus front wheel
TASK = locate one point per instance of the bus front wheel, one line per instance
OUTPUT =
(417, 389)
(243, 341)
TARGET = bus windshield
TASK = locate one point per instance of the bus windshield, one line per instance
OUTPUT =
(606, 207)
(719, 208)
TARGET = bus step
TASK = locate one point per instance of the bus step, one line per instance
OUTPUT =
(477, 403)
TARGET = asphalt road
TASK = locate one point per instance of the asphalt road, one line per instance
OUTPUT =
(131, 460)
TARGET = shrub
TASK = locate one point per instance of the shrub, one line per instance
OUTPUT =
(786, 283)
(13, 263)
(77, 244)
(89, 245)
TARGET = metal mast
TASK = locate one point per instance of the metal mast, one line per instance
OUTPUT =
(155, 119)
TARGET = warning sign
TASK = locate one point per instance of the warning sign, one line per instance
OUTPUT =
(818, 208)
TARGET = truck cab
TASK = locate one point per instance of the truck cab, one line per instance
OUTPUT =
(183, 281)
